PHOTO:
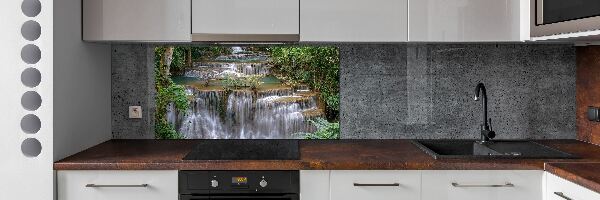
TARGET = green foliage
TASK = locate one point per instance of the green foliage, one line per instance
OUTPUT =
(178, 62)
(167, 92)
(253, 81)
(222, 109)
(316, 66)
(325, 130)
(208, 52)
(232, 82)
(172, 94)
(333, 100)
(166, 130)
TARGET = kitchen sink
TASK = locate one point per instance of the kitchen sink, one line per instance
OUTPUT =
(440, 149)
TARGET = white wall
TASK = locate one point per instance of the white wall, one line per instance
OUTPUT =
(82, 97)
(75, 82)
(24, 177)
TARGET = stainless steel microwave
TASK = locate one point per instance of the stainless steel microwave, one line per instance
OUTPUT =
(553, 17)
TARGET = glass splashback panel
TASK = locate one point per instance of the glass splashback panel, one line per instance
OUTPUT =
(249, 92)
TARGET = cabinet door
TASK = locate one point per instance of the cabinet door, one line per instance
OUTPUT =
(244, 18)
(117, 185)
(560, 189)
(314, 185)
(136, 20)
(482, 184)
(375, 185)
(468, 20)
(353, 20)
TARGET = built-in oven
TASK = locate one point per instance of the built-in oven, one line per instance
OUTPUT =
(552, 17)
(238, 185)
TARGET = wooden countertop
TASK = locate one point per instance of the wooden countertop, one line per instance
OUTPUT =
(314, 154)
(332, 155)
(584, 174)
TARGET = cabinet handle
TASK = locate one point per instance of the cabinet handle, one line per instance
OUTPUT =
(560, 194)
(115, 186)
(376, 184)
(493, 185)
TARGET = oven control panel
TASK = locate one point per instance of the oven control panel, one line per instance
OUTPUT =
(239, 182)
(229, 182)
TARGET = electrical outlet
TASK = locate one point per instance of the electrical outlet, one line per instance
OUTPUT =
(593, 114)
(135, 112)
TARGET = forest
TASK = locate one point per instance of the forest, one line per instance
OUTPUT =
(251, 92)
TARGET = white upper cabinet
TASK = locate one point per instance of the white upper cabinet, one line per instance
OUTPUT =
(468, 20)
(245, 20)
(353, 20)
(136, 20)
(307, 20)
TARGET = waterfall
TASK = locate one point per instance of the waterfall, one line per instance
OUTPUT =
(253, 69)
(222, 70)
(235, 50)
(202, 119)
(275, 113)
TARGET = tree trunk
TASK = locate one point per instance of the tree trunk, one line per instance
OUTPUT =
(189, 57)
(168, 59)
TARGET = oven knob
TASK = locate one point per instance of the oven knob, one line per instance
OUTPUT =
(263, 183)
(214, 183)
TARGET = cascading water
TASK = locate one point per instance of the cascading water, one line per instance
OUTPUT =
(222, 70)
(271, 112)
(245, 115)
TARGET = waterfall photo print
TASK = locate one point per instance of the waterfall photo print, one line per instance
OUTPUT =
(248, 92)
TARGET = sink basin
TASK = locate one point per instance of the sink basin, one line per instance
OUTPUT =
(496, 149)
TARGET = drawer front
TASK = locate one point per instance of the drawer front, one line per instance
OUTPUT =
(560, 189)
(375, 185)
(117, 185)
(314, 185)
(482, 184)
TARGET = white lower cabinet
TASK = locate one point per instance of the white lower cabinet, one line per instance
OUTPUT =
(421, 185)
(375, 185)
(341, 185)
(482, 185)
(117, 185)
(560, 189)
(314, 184)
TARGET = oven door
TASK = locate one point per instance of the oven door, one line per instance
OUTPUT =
(552, 17)
(240, 197)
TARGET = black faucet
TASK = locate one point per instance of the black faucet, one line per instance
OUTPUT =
(486, 129)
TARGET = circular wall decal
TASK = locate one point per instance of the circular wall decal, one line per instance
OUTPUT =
(31, 100)
(31, 54)
(31, 147)
(31, 124)
(31, 8)
(31, 30)
(31, 77)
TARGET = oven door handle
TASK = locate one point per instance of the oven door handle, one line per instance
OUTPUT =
(240, 196)
(192, 197)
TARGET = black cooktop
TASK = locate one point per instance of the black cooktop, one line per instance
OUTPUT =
(227, 149)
